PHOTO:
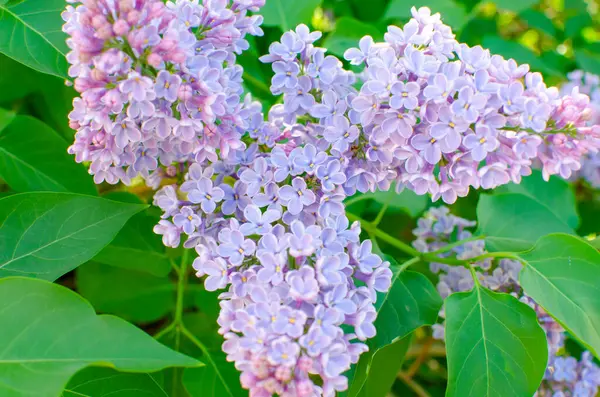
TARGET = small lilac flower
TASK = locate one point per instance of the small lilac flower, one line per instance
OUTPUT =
(125, 131)
(283, 164)
(364, 257)
(289, 47)
(240, 281)
(257, 176)
(535, 115)
(336, 360)
(269, 198)
(481, 143)
(330, 175)
(171, 233)
(356, 56)
(205, 194)
(404, 95)
(235, 247)
(363, 324)
(331, 204)
(468, 104)
(257, 222)
(328, 320)
(283, 352)
(341, 134)
(303, 284)
(167, 85)
(309, 158)
(290, 321)
(428, 147)
(367, 106)
(512, 97)
(299, 98)
(337, 298)
(527, 145)
(296, 196)
(286, 74)
(136, 86)
(314, 342)
(440, 87)
(216, 270)
(234, 197)
(329, 270)
(449, 127)
(187, 219)
(273, 268)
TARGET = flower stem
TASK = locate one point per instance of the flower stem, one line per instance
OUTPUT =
(379, 217)
(455, 244)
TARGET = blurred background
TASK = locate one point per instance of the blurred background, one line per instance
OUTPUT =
(553, 36)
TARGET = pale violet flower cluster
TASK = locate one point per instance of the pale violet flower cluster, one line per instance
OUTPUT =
(565, 376)
(432, 114)
(299, 287)
(158, 82)
(589, 84)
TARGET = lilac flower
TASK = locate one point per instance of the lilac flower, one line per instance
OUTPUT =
(428, 146)
(167, 85)
(283, 352)
(125, 131)
(341, 134)
(330, 175)
(439, 88)
(535, 115)
(327, 320)
(286, 75)
(216, 270)
(234, 197)
(136, 86)
(289, 48)
(512, 97)
(269, 197)
(331, 204)
(299, 99)
(527, 145)
(257, 222)
(449, 128)
(356, 56)
(404, 95)
(364, 258)
(205, 194)
(257, 176)
(296, 196)
(235, 247)
(187, 220)
(309, 158)
(303, 284)
(290, 322)
(363, 325)
(315, 342)
(272, 270)
(171, 233)
(468, 105)
(481, 143)
(336, 360)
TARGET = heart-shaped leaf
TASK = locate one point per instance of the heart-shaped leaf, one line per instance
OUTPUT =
(46, 235)
(96, 382)
(495, 346)
(287, 14)
(49, 333)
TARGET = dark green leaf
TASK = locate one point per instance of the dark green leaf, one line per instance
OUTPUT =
(563, 276)
(576, 23)
(16, 80)
(49, 333)
(105, 382)
(495, 346)
(136, 296)
(218, 378)
(407, 200)
(53, 105)
(33, 157)
(375, 372)
(45, 234)
(539, 20)
(556, 195)
(513, 222)
(6, 116)
(370, 11)
(452, 13)
(287, 14)
(32, 34)
(411, 302)
(347, 33)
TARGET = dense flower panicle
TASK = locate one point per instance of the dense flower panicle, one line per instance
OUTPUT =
(588, 84)
(565, 376)
(158, 83)
(432, 114)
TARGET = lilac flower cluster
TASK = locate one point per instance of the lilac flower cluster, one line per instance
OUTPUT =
(431, 114)
(158, 83)
(588, 84)
(565, 376)
(270, 230)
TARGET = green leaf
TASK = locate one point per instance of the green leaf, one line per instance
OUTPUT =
(287, 14)
(513, 222)
(34, 158)
(563, 276)
(49, 333)
(136, 296)
(411, 302)
(494, 344)
(16, 80)
(520, 53)
(105, 382)
(6, 117)
(46, 235)
(53, 105)
(375, 372)
(539, 20)
(452, 13)
(576, 23)
(516, 5)
(218, 378)
(407, 200)
(137, 247)
(32, 34)
(556, 195)
(347, 33)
